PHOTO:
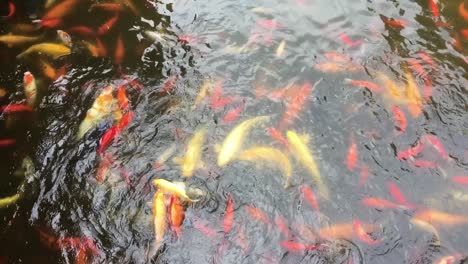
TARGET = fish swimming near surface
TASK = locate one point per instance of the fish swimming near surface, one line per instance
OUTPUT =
(176, 212)
(174, 188)
(49, 49)
(30, 88)
(192, 158)
(18, 40)
(159, 219)
(235, 139)
(61, 9)
(305, 157)
(102, 107)
(64, 37)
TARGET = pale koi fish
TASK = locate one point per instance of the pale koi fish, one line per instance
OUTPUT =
(102, 107)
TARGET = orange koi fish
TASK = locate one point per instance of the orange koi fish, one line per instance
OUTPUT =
(295, 106)
(449, 259)
(176, 212)
(102, 50)
(363, 175)
(275, 134)
(101, 108)
(352, 156)
(305, 232)
(108, 7)
(14, 108)
(83, 31)
(216, 99)
(339, 231)
(61, 10)
(309, 196)
(462, 180)
(207, 231)
(411, 152)
(462, 11)
(122, 98)
(361, 233)
(400, 119)
(417, 67)
(119, 53)
(426, 58)
(349, 42)
(125, 120)
(159, 218)
(108, 25)
(282, 225)
(420, 163)
(337, 56)
(297, 246)
(81, 256)
(398, 196)
(103, 168)
(434, 8)
(378, 203)
(414, 96)
(332, 67)
(286, 92)
(232, 114)
(50, 72)
(107, 138)
(257, 214)
(365, 84)
(7, 142)
(434, 142)
(440, 218)
(228, 216)
(30, 88)
(52, 23)
(395, 23)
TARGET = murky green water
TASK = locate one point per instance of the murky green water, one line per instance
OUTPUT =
(236, 44)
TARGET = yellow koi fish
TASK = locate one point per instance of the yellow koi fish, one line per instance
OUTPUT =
(192, 157)
(234, 140)
(203, 93)
(50, 49)
(280, 49)
(413, 95)
(102, 107)
(303, 155)
(174, 188)
(159, 218)
(17, 40)
(30, 88)
(393, 92)
(427, 227)
(273, 156)
(6, 201)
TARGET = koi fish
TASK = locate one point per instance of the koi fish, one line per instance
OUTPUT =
(9, 200)
(417, 67)
(392, 90)
(427, 227)
(364, 175)
(7, 142)
(64, 37)
(125, 120)
(378, 203)
(50, 49)
(234, 140)
(207, 231)
(349, 41)
(131, 6)
(216, 99)
(331, 67)
(232, 114)
(18, 40)
(159, 218)
(61, 10)
(269, 24)
(352, 156)
(395, 23)
(296, 246)
(83, 31)
(107, 138)
(191, 160)
(462, 180)
(203, 93)
(449, 259)
(310, 198)
(361, 233)
(103, 168)
(420, 163)
(176, 212)
(30, 88)
(119, 53)
(398, 196)
(414, 96)
(303, 155)
(51, 23)
(280, 49)
(108, 7)
(440, 218)
(108, 25)
(364, 84)
(426, 58)
(14, 108)
(50, 72)
(101, 108)
(295, 106)
(282, 225)
(122, 98)
(257, 214)
(339, 231)
(272, 156)
(305, 232)
(400, 119)
(155, 35)
(81, 256)
(174, 188)
(434, 142)
(275, 134)
(228, 216)
(102, 51)
(434, 8)
(411, 152)
(462, 11)
(11, 9)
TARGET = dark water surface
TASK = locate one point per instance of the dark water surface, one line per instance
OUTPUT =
(236, 43)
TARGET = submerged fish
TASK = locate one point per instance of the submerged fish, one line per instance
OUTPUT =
(203, 93)
(102, 107)
(440, 218)
(176, 212)
(17, 40)
(174, 188)
(159, 218)
(192, 158)
(30, 88)
(65, 38)
(50, 49)
(304, 156)
(273, 156)
(61, 10)
(234, 140)
(413, 95)
(7, 201)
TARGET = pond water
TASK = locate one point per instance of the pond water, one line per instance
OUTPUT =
(342, 125)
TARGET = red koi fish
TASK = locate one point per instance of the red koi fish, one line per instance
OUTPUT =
(427, 164)
(426, 58)
(228, 216)
(395, 23)
(82, 31)
(109, 7)
(352, 156)
(187, 39)
(7, 142)
(292, 246)
(81, 256)
(462, 180)
(125, 120)
(207, 231)
(107, 138)
(257, 214)
(464, 33)
(176, 213)
(364, 175)
(417, 67)
(14, 108)
(427, 92)
(61, 10)
(437, 145)
(462, 11)
(378, 203)
(310, 198)
(11, 9)
(102, 50)
(398, 196)
(411, 152)
(400, 119)
(233, 114)
(168, 85)
(51, 23)
(90, 245)
(276, 135)
(364, 84)
(216, 99)
(434, 8)
(295, 106)
(108, 25)
(282, 225)
(349, 42)
(119, 53)
(269, 24)
(361, 233)
(122, 98)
